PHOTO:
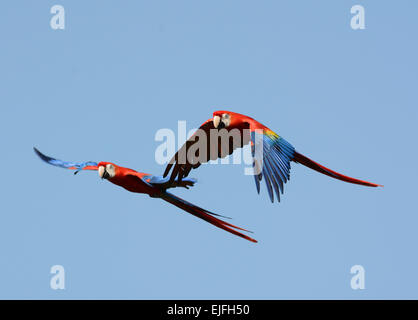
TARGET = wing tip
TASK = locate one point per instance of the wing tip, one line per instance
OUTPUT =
(36, 151)
(41, 155)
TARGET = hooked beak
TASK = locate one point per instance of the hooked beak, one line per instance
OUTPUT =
(216, 121)
(106, 175)
(103, 173)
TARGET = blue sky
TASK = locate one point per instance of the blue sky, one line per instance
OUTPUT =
(100, 89)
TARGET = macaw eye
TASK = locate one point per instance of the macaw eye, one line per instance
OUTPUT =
(110, 169)
(226, 119)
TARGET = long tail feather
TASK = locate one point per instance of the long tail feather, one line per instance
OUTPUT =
(205, 215)
(300, 158)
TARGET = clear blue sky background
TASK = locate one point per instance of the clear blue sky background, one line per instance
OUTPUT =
(101, 88)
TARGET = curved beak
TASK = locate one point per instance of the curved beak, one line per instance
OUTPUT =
(103, 173)
(216, 121)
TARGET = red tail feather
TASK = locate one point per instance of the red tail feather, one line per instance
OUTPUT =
(300, 158)
(205, 215)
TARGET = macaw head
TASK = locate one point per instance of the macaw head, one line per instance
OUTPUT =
(107, 170)
(225, 119)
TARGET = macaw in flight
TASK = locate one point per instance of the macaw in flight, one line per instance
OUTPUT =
(154, 186)
(273, 163)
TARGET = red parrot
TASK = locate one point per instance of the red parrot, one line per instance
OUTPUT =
(273, 163)
(154, 186)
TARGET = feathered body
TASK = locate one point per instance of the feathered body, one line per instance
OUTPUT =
(274, 162)
(154, 186)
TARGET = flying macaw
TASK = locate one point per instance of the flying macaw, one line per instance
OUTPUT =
(154, 186)
(273, 163)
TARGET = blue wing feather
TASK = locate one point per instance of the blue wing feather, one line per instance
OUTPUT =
(64, 164)
(275, 178)
(277, 154)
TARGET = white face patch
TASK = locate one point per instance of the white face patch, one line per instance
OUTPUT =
(110, 169)
(216, 120)
(226, 119)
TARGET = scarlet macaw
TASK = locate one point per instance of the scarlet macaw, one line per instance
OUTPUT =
(277, 153)
(154, 186)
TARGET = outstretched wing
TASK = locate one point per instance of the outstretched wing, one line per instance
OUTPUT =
(89, 165)
(207, 143)
(271, 154)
